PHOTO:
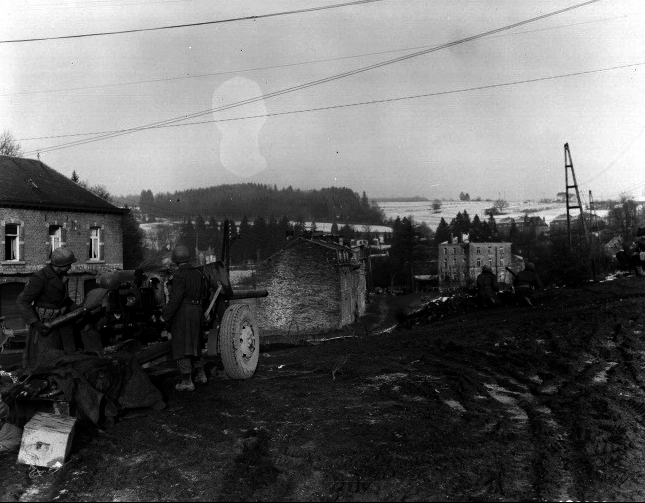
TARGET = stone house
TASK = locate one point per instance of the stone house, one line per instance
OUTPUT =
(314, 286)
(461, 263)
(41, 209)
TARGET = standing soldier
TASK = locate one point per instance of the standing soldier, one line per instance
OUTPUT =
(184, 312)
(487, 287)
(45, 298)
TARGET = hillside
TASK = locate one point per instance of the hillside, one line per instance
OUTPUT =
(455, 404)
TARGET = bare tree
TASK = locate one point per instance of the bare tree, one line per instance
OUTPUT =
(500, 205)
(8, 145)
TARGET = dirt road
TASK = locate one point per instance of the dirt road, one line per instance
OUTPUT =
(516, 403)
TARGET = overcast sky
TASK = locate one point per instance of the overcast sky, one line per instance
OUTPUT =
(505, 140)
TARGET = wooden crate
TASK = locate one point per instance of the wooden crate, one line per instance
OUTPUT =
(46, 440)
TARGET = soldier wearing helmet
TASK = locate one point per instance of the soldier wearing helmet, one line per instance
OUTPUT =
(184, 312)
(526, 285)
(487, 287)
(45, 298)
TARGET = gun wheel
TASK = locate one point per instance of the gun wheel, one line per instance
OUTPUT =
(239, 342)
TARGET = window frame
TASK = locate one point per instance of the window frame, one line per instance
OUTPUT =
(15, 240)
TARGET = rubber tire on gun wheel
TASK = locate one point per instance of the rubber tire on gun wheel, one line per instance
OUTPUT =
(239, 342)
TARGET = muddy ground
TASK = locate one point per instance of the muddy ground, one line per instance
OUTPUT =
(515, 403)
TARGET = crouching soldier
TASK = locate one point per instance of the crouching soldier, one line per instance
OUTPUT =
(633, 254)
(45, 298)
(184, 312)
(526, 285)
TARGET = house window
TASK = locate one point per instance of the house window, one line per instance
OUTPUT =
(501, 251)
(479, 262)
(445, 251)
(489, 250)
(479, 250)
(445, 263)
(55, 237)
(454, 262)
(95, 244)
(11, 242)
(454, 251)
(501, 262)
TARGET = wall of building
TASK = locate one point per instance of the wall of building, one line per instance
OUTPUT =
(304, 291)
(463, 262)
(309, 293)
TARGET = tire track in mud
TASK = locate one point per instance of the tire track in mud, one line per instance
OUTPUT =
(584, 420)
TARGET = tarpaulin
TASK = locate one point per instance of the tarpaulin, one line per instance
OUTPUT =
(102, 386)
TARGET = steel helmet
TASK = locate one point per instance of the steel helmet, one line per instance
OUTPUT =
(486, 267)
(180, 254)
(62, 257)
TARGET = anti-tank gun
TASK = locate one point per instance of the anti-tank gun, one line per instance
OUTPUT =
(123, 308)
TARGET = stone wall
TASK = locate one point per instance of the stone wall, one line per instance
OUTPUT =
(304, 284)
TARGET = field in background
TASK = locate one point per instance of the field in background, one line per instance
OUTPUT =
(421, 211)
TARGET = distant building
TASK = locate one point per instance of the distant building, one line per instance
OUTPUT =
(504, 226)
(460, 263)
(40, 210)
(314, 286)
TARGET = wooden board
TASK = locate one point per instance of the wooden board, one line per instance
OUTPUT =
(46, 440)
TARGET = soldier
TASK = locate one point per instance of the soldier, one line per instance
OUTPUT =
(45, 298)
(487, 287)
(184, 312)
(526, 284)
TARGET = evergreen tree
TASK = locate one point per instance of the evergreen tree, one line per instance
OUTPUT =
(244, 248)
(410, 249)
(493, 228)
(133, 242)
(75, 177)
(201, 234)
(476, 235)
(442, 234)
(214, 237)
(260, 241)
(187, 237)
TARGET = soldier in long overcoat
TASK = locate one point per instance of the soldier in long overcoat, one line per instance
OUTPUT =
(487, 287)
(184, 312)
(45, 298)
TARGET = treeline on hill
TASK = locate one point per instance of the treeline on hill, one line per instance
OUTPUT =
(251, 241)
(333, 204)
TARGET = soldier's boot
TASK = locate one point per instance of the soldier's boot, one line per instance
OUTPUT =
(186, 383)
(200, 377)
(638, 270)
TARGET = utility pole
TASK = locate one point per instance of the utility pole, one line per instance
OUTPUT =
(568, 164)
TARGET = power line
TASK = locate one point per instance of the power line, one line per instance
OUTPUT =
(360, 103)
(618, 157)
(187, 25)
(284, 65)
(319, 81)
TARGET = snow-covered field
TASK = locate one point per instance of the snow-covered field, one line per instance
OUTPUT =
(422, 211)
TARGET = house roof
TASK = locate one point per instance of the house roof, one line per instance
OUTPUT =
(28, 183)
